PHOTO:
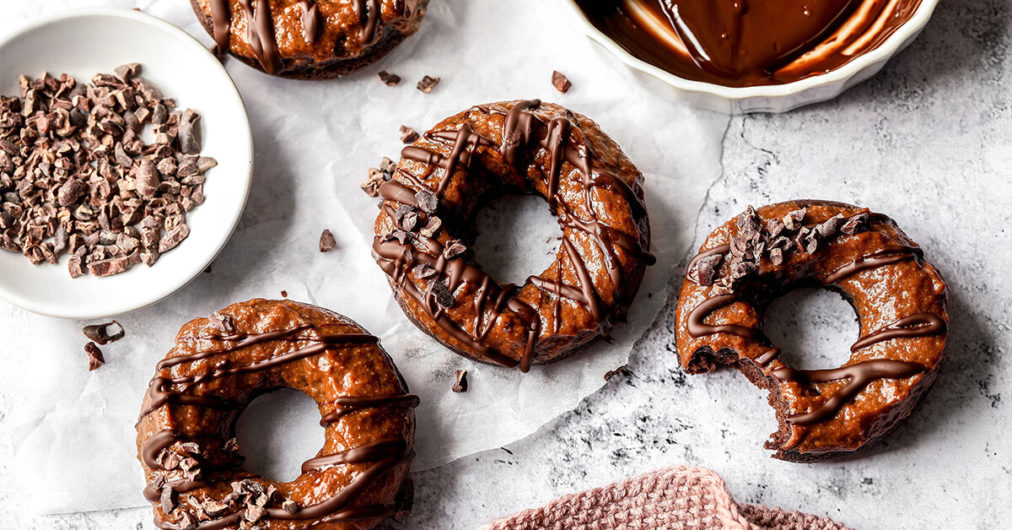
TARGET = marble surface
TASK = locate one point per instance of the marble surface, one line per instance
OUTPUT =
(928, 141)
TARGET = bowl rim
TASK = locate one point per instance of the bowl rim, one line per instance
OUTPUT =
(160, 290)
(893, 44)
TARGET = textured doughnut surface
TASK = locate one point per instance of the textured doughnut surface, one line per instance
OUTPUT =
(309, 39)
(520, 147)
(898, 296)
(185, 436)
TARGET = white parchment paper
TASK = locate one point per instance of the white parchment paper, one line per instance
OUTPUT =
(71, 431)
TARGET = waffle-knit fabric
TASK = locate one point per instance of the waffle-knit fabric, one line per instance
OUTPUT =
(681, 497)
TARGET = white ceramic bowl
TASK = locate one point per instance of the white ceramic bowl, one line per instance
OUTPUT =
(83, 43)
(771, 98)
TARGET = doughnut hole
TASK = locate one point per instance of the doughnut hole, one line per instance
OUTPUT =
(814, 328)
(517, 237)
(279, 431)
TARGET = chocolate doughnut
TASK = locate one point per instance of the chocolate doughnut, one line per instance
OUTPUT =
(426, 225)
(898, 296)
(309, 39)
(218, 365)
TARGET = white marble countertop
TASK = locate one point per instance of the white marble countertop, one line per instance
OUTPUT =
(927, 141)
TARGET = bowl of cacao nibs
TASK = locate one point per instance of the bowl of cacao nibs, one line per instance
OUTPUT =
(125, 162)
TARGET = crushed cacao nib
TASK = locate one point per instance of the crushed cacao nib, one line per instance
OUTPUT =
(406, 217)
(377, 176)
(401, 236)
(168, 499)
(222, 323)
(408, 135)
(76, 178)
(427, 84)
(423, 271)
(99, 333)
(454, 248)
(290, 506)
(442, 294)
(427, 201)
(561, 82)
(854, 224)
(753, 240)
(389, 79)
(460, 385)
(431, 227)
(95, 357)
(284, 293)
(327, 241)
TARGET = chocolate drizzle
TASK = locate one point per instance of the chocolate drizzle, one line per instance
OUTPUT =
(368, 12)
(871, 261)
(697, 327)
(919, 325)
(860, 375)
(312, 22)
(563, 140)
(384, 454)
(221, 18)
(260, 34)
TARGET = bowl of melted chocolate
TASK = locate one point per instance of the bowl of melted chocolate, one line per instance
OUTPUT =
(756, 55)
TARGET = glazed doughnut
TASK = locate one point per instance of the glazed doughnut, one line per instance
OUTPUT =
(309, 39)
(898, 296)
(185, 435)
(426, 225)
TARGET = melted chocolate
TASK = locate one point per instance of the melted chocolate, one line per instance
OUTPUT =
(522, 130)
(698, 328)
(860, 374)
(260, 34)
(748, 42)
(919, 325)
(312, 21)
(871, 261)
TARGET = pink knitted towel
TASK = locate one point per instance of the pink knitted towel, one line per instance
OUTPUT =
(673, 498)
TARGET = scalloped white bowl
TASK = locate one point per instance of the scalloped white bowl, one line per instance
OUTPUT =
(770, 98)
(83, 43)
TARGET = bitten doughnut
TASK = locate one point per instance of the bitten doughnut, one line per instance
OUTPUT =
(309, 39)
(185, 436)
(426, 225)
(898, 296)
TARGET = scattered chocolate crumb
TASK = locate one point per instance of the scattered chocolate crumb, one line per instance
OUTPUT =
(454, 248)
(389, 79)
(284, 293)
(507, 451)
(95, 357)
(327, 241)
(442, 294)
(427, 84)
(99, 333)
(222, 323)
(377, 176)
(792, 221)
(461, 384)
(561, 82)
(408, 135)
(431, 227)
